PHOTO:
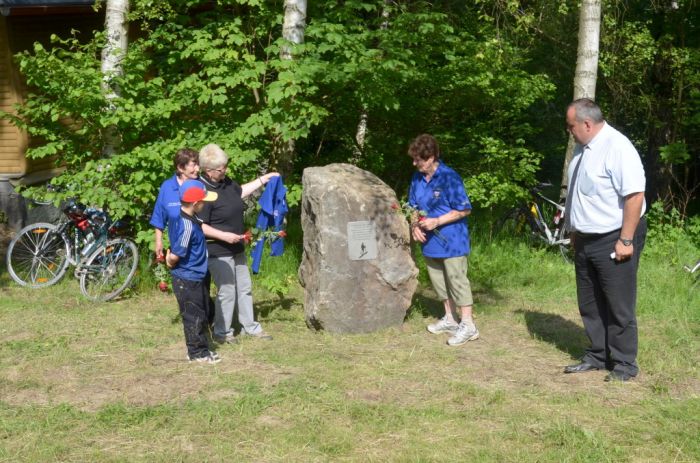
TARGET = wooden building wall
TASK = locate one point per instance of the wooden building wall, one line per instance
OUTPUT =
(18, 33)
(13, 142)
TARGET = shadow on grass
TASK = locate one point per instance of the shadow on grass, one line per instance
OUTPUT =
(426, 305)
(566, 335)
(262, 309)
(5, 279)
(265, 307)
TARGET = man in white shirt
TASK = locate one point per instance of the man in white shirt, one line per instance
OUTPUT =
(604, 209)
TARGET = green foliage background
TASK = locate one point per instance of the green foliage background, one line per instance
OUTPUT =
(489, 78)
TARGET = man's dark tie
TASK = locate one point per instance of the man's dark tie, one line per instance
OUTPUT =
(570, 191)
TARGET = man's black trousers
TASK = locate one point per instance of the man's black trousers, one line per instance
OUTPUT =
(607, 299)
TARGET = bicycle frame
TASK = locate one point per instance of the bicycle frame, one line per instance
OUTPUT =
(692, 269)
(540, 218)
(550, 237)
(75, 240)
(86, 252)
(92, 229)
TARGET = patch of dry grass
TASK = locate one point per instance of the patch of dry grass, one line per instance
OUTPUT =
(109, 382)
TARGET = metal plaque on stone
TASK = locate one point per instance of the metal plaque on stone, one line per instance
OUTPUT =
(362, 240)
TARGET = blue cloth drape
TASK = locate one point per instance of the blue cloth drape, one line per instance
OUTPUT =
(273, 208)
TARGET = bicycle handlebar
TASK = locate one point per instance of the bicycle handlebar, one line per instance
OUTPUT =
(539, 187)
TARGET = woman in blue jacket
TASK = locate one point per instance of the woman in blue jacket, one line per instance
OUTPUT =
(167, 208)
(438, 193)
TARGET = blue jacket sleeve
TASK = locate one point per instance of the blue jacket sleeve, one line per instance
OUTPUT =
(256, 254)
(457, 195)
(159, 218)
(180, 237)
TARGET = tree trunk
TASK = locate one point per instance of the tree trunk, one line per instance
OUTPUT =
(361, 132)
(293, 25)
(117, 35)
(586, 67)
(292, 31)
(360, 136)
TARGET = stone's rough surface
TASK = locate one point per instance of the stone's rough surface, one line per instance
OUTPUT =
(353, 296)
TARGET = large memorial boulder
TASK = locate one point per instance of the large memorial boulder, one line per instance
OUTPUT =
(357, 270)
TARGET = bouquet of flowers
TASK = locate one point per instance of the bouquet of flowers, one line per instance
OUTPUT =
(160, 270)
(414, 216)
(254, 235)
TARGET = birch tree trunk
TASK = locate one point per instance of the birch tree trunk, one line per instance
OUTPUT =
(360, 136)
(117, 35)
(293, 25)
(293, 31)
(361, 132)
(586, 67)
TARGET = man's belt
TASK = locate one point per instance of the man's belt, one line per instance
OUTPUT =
(595, 235)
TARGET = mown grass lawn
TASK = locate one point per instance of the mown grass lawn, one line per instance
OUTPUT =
(109, 382)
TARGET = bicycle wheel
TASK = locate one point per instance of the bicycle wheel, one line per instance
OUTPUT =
(38, 255)
(109, 270)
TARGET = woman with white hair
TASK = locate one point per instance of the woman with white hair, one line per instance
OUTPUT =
(224, 228)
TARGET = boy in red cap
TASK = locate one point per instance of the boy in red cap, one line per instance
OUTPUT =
(187, 259)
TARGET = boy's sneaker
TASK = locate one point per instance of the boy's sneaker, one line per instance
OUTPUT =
(443, 326)
(210, 359)
(467, 332)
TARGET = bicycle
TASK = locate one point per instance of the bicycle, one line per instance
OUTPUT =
(694, 271)
(105, 263)
(540, 220)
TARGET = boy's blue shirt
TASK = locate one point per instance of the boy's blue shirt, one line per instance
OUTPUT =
(187, 241)
(444, 192)
(167, 207)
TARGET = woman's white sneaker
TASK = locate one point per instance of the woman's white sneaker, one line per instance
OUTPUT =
(443, 326)
(466, 332)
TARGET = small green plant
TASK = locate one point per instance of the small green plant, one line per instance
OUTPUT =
(278, 273)
(671, 236)
(161, 274)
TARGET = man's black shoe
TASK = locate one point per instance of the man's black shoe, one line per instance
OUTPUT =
(618, 376)
(580, 368)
